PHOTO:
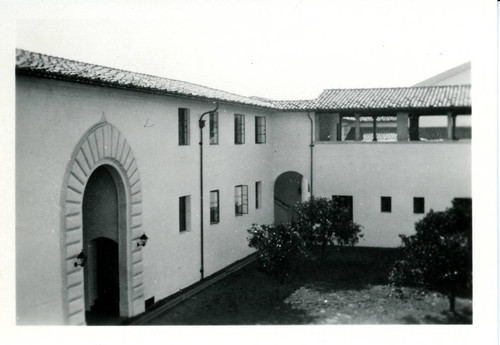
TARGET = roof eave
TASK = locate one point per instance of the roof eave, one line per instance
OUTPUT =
(89, 81)
(464, 110)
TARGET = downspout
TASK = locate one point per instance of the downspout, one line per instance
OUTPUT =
(201, 124)
(312, 149)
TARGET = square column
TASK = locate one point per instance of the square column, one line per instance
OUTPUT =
(339, 128)
(402, 126)
(414, 132)
(451, 128)
(357, 129)
(374, 128)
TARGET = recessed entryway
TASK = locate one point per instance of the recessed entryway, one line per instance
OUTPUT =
(105, 228)
(101, 232)
(290, 188)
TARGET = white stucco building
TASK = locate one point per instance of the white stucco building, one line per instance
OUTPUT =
(104, 156)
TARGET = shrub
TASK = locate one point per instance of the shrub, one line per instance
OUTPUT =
(320, 221)
(278, 245)
(323, 221)
(439, 255)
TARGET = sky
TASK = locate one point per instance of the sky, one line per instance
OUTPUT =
(276, 49)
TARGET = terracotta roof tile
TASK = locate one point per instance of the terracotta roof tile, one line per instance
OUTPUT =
(330, 100)
(59, 68)
(395, 98)
(294, 105)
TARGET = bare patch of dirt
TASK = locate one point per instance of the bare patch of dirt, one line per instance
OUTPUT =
(379, 304)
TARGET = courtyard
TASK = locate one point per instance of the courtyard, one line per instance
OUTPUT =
(349, 287)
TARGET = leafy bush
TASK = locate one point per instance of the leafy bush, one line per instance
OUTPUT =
(278, 245)
(320, 221)
(439, 255)
(323, 221)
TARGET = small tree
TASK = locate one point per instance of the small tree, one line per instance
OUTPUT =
(439, 255)
(278, 245)
(326, 221)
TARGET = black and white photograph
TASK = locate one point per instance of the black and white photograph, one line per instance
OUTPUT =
(253, 164)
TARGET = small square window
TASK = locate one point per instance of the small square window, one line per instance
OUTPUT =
(418, 205)
(214, 207)
(385, 204)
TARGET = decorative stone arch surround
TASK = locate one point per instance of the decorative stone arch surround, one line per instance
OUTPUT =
(102, 144)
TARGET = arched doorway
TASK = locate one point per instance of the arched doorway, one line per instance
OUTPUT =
(290, 188)
(102, 150)
(101, 231)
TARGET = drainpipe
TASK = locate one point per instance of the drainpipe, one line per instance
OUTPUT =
(201, 124)
(312, 147)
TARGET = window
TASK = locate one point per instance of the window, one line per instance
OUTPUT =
(463, 202)
(258, 194)
(385, 204)
(418, 205)
(326, 127)
(465, 207)
(184, 213)
(260, 130)
(239, 129)
(183, 126)
(325, 130)
(241, 200)
(214, 207)
(345, 201)
(214, 128)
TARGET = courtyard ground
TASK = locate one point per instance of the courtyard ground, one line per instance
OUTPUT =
(350, 287)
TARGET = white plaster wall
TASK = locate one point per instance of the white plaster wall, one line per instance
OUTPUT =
(291, 139)
(53, 115)
(438, 172)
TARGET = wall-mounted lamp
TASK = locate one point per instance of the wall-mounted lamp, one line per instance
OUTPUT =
(81, 259)
(143, 240)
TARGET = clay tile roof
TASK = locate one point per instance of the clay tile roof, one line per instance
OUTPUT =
(294, 105)
(333, 99)
(58, 68)
(395, 98)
